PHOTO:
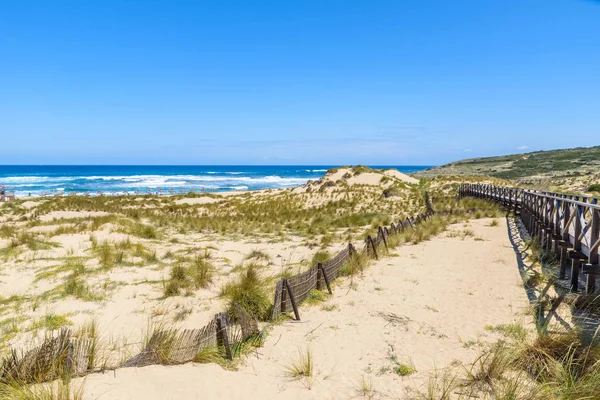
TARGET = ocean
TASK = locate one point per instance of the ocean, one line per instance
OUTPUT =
(27, 180)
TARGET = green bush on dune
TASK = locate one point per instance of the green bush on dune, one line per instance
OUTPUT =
(594, 188)
(248, 291)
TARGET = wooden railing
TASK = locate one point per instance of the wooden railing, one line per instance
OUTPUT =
(567, 225)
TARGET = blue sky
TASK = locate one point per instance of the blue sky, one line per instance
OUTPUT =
(295, 82)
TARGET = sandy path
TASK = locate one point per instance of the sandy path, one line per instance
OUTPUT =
(426, 307)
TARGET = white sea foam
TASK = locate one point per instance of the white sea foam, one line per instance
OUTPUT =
(233, 180)
(35, 179)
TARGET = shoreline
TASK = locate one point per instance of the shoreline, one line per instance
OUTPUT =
(114, 180)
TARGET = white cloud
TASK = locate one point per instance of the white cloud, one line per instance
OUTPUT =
(522, 147)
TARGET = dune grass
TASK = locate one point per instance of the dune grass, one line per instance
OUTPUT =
(199, 273)
(248, 291)
(61, 389)
(301, 367)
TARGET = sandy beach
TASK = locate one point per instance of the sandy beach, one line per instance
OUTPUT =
(119, 272)
(428, 313)
(109, 262)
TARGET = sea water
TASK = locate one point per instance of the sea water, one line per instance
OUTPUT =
(27, 180)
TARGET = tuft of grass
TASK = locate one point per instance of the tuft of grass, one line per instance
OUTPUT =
(441, 386)
(301, 367)
(209, 355)
(555, 364)
(355, 265)
(61, 389)
(198, 275)
(489, 367)
(52, 322)
(330, 307)
(144, 231)
(178, 280)
(594, 188)
(201, 271)
(320, 257)
(258, 255)
(515, 331)
(316, 297)
(248, 291)
(365, 387)
(106, 255)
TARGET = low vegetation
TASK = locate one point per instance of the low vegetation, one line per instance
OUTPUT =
(570, 170)
(301, 367)
(249, 291)
(339, 214)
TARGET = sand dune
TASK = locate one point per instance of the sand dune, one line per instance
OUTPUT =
(425, 307)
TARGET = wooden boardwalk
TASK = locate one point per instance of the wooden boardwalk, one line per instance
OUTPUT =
(566, 225)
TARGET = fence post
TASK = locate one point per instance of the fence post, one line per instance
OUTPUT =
(351, 250)
(322, 272)
(370, 241)
(222, 333)
(290, 293)
(319, 276)
(381, 232)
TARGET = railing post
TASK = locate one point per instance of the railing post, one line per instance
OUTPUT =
(575, 261)
(565, 241)
(591, 269)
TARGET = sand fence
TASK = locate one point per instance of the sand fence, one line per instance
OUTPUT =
(60, 354)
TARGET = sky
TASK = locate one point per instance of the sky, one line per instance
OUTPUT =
(411, 82)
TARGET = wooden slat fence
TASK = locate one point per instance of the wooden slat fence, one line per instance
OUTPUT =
(566, 225)
(291, 292)
(62, 354)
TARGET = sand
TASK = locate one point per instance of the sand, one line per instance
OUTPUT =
(368, 178)
(56, 215)
(197, 200)
(425, 306)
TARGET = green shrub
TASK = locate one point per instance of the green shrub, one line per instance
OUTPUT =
(248, 291)
(594, 188)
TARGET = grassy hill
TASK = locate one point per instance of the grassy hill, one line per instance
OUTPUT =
(573, 169)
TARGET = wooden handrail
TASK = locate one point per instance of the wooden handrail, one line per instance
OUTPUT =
(560, 221)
